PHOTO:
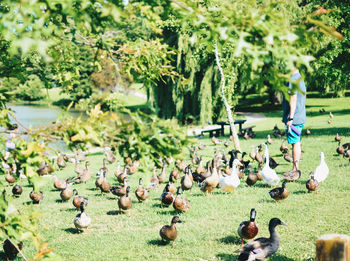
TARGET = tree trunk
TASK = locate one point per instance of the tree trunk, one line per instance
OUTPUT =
(227, 106)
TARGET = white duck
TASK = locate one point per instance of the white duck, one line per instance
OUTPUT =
(82, 220)
(322, 170)
(269, 175)
(229, 183)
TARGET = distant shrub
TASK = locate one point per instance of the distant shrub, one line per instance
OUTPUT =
(31, 90)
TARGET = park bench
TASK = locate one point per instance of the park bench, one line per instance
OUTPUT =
(248, 130)
(221, 130)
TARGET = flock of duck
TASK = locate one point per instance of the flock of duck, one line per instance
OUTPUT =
(221, 172)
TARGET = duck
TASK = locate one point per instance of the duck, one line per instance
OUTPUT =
(77, 200)
(286, 156)
(169, 233)
(279, 193)
(200, 169)
(248, 229)
(78, 169)
(133, 167)
(292, 175)
(346, 154)
(110, 156)
(120, 190)
(211, 182)
(227, 144)
(269, 175)
(80, 156)
(67, 193)
(123, 175)
(175, 174)
(162, 176)
(85, 175)
(17, 190)
(252, 177)
(269, 140)
(36, 197)
(258, 157)
(312, 184)
(154, 181)
(9, 177)
(10, 250)
(186, 181)
(99, 178)
(283, 146)
(172, 188)
(308, 132)
(272, 163)
(45, 168)
(167, 198)
(340, 149)
(262, 247)
(201, 146)
(59, 184)
(61, 163)
(105, 186)
(321, 172)
(229, 183)
(180, 203)
(104, 168)
(82, 220)
(252, 153)
(118, 171)
(337, 137)
(181, 165)
(215, 141)
(141, 193)
(331, 115)
(124, 202)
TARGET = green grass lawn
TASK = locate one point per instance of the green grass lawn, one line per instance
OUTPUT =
(209, 228)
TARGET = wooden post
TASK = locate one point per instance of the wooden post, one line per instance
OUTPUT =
(333, 247)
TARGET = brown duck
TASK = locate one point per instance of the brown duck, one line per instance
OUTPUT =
(167, 198)
(141, 193)
(9, 178)
(279, 193)
(67, 193)
(36, 197)
(85, 175)
(248, 229)
(162, 175)
(105, 186)
(154, 182)
(210, 183)
(169, 233)
(181, 203)
(125, 202)
(186, 181)
(120, 190)
(77, 200)
(124, 174)
(312, 184)
(61, 163)
(59, 184)
(17, 190)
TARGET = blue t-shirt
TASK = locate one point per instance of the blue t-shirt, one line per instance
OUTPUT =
(300, 111)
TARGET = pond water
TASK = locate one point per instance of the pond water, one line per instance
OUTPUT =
(32, 115)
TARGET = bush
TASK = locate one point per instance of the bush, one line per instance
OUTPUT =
(31, 90)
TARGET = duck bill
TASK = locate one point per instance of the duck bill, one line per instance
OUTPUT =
(283, 224)
(179, 221)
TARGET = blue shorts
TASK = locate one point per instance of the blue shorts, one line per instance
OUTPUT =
(293, 138)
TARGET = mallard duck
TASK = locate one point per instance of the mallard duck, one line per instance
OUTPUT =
(59, 184)
(283, 146)
(45, 168)
(78, 169)
(162, 176)
(175, 174)
(186, 181)
(110, 156)
(124, 202)
(279, 193)
(269, 175)
(133, 167)
(10, 250)
(346, 154)
(229, 183)
(85, 175)
(286, 156)
(67, 193)
(210, 183)
(312, 184)
(17, 190)
(167, 198)
(337, 137)
(181, 165)
(123, 175)
(118, 170)
(77, 200)
(180, 203)
(252, 177)
(258, 157)
(169, 233)
(154, 182)
(99, 178)
(292, 175)
(35, 197)
(269, 140)
(105, 186)
(340, 149)
(171, 187)
(141, 193)
(322, 170)
(61, 163)
(120, 190)
(262, 247)
(248, 229)
(82, 220)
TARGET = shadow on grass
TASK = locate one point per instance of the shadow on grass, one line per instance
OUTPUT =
(71, 230)
(69, 209)
(157, 242)
(167, 212)
(113, 213)
(280, 258)
(227, 257)
(230, 240)
(299, 192)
